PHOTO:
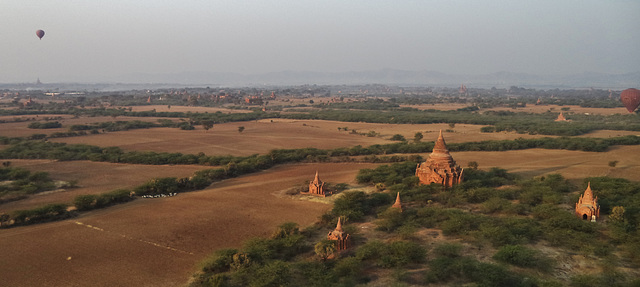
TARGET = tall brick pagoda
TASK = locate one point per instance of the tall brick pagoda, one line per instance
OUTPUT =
(587, 207)
(440, 167)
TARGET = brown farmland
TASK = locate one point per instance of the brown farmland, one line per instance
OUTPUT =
(184, 109)
(157, 242)
(535, 109)
(92, 178)
(265, 135)
(20, 129)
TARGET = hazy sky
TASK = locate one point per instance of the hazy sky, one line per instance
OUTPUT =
(97, 40)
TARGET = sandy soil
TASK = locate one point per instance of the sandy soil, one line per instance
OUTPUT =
(158, 242)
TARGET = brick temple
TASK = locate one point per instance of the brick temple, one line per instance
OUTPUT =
(440, 167)
(561, 118)
(316, 187)
(587, 207)
(342, 239)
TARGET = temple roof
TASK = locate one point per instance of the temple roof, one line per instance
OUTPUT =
(588, 194)
(339, 226)
(317, 180)
(440, 148)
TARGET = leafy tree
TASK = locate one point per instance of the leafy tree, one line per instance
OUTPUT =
(417, 137)
(617, 214)
(325, 249)
(240, 129)
(398, 137)
(207, 125)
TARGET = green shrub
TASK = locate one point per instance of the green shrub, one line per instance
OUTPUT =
(523, 257)
(85, 202)
(219, 262)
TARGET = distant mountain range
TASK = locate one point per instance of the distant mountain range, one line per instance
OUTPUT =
(384, 76)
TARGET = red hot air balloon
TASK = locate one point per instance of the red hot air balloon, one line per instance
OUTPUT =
(40, 34)
(631, 99)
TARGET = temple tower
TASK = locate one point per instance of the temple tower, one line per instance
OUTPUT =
(561, 118)
(440, 167)
(342, 239)
(397, 204)
(316, 187)
(587, 207)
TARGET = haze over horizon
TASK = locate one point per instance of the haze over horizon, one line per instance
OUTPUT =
(100, 41)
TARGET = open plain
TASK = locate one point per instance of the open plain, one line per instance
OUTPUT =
(158, 242)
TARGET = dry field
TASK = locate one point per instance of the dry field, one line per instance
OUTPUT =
(184, 109)
(224, 139)
(92, 178)
(574, 165)
(158, 242)
(536, 109)
(20, 129)
(265, 135)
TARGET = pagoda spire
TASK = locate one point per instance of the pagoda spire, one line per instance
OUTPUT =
(440, 147)
(339, 226)
(398, 203)
(588, 193)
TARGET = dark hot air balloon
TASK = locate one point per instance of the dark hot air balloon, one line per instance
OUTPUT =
(631, 99)
(40, 34)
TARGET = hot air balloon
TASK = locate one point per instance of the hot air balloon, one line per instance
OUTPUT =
(40, 34)
(631, 99)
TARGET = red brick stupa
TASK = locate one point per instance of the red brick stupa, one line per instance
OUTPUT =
(587, 207)
(440, 166)
(316, 187)
(342, 239)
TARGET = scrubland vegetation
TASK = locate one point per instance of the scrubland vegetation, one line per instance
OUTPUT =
(493, 212)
